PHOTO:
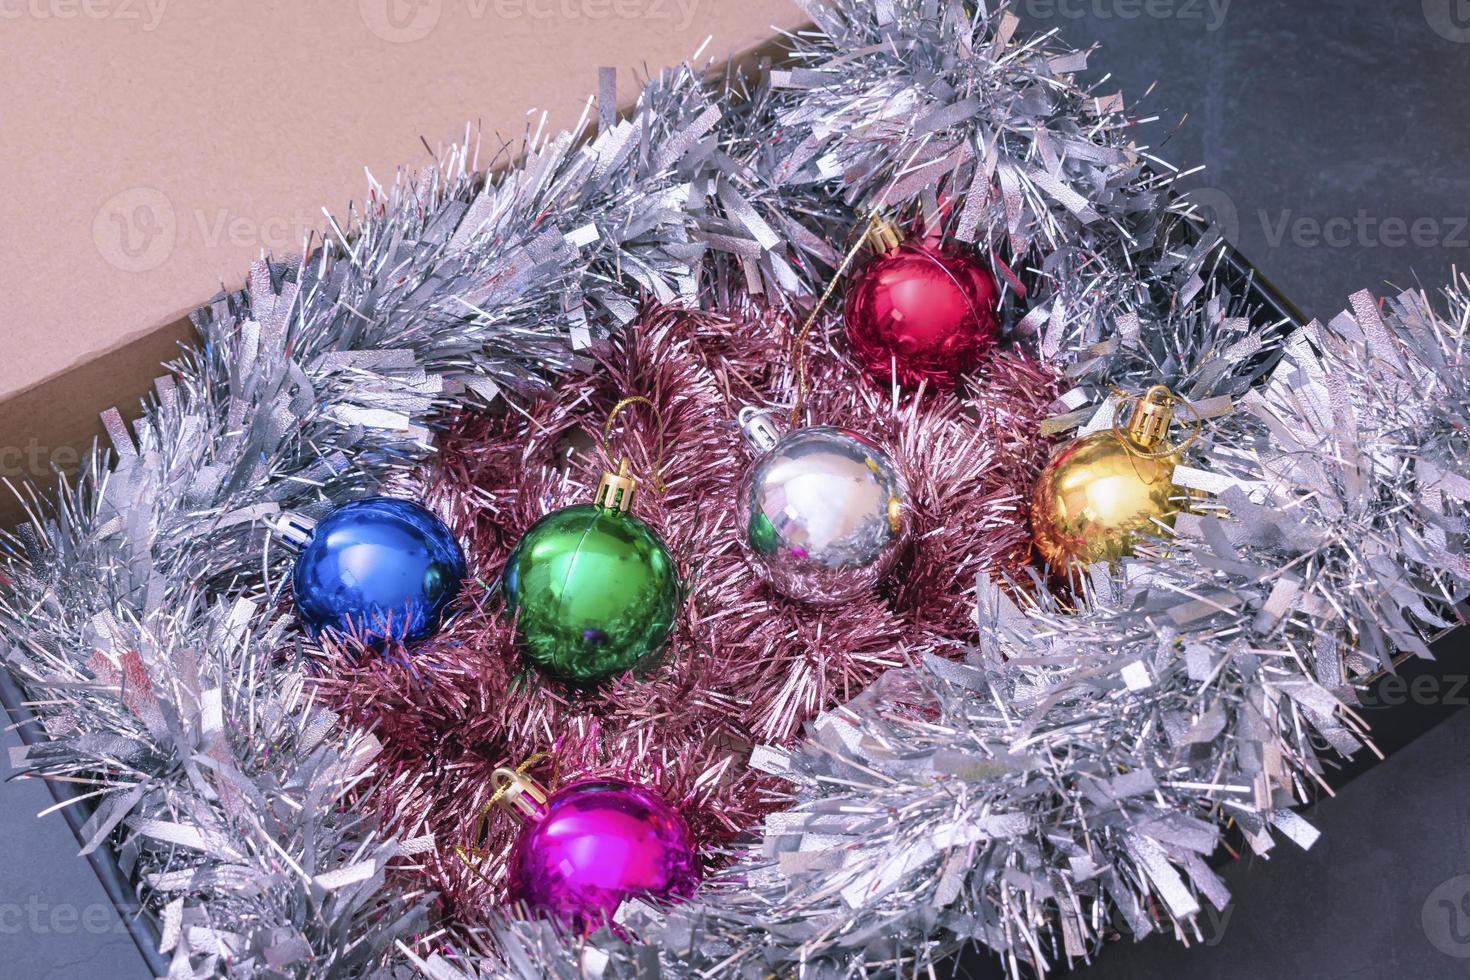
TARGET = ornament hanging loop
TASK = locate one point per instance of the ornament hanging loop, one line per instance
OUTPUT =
(1149, 417)
(615, 490)
(758, 428)
(518, 793)
(882, 235)
(291, 528)
(623, 480)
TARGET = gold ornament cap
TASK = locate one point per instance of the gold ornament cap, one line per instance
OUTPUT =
(1153, 413)
(518, 793)
(615, 491)
(883, 235)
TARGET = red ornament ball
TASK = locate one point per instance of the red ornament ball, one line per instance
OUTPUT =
(921, 312)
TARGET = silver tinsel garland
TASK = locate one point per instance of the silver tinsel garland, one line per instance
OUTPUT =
(141, 606)
(1077, 766)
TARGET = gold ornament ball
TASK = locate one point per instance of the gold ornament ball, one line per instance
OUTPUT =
(1101, 493)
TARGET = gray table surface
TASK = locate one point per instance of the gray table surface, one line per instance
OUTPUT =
(1335, 136)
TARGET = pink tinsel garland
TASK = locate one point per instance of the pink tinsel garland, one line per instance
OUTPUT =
(746, 666)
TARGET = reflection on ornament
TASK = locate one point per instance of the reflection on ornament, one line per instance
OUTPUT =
(376, 569)
(920, 312)
(592, 845)
(1100, 494)
(824, 511)
(593, 588)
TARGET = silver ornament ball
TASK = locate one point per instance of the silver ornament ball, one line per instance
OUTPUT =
(824, 512)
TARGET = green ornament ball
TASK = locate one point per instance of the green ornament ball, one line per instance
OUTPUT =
(594, 591)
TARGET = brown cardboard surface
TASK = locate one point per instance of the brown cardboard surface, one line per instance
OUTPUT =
(154, 148)
(55, 423)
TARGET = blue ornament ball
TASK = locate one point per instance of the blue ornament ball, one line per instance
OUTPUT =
(378, 569)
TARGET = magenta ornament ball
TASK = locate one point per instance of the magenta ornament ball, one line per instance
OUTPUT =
(593, 845)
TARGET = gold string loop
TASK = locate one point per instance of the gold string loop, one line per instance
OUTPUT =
(1163, 401)
(612, 416)
(516, 778)
(798, 343)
